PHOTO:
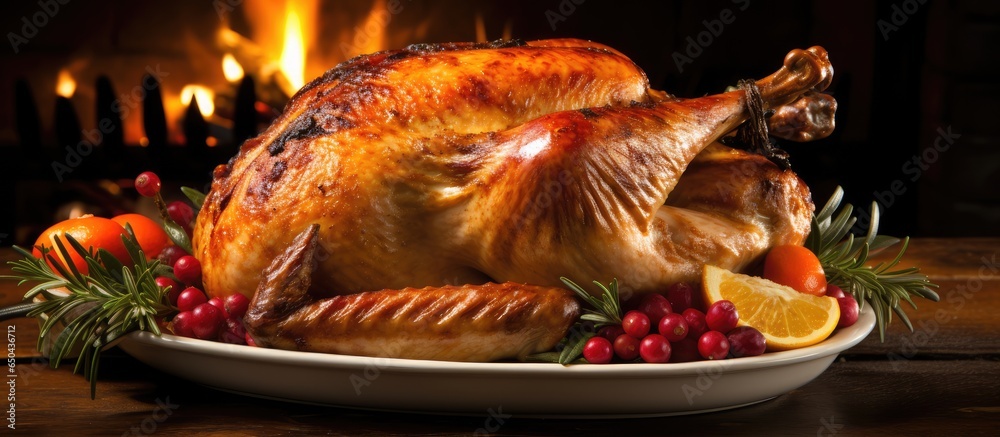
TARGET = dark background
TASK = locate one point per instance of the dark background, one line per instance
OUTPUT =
(904, 72)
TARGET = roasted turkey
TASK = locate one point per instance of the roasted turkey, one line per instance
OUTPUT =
(444, 189)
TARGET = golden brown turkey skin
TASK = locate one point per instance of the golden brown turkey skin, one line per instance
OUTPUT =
(333, 155)
(432, 165)
(455, 323)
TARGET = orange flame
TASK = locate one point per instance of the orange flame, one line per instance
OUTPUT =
(65, 85)
(293, 54)
(231, 69)
(205, 96)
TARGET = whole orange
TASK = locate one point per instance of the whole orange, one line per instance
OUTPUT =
(151, 236)
(91, 232)
(796, 267)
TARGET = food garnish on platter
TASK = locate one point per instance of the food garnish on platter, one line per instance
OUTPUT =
(437, 202)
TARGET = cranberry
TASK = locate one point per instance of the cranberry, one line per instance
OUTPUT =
(207, 320)
(848, 311)
(188, 270)
(250, 341)
(745, 341)
(182, 324)
(655, 348)
(181, 213)
(655, 306)
(685, 350)
(680, 296)
(218, 303)
(696, 322)
(237, 305)
(233, 332)
(190, 298)
(673, 327)
(147, 184)
(170, 254)
(175, 290)
(713, 345)
(627, 347)
(636, 323)
(834, 291)
(598, 350)
(722, 316)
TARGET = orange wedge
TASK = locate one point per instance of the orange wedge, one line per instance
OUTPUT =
(788, 319)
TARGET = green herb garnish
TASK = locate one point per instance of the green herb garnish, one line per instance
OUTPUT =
(844, 258)
(110, 301)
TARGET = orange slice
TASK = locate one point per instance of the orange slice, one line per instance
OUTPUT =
(788, 319)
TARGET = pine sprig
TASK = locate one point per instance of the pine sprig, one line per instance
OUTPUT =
(844, 258)
(110, 301)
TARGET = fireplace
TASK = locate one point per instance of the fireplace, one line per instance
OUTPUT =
(93, 93)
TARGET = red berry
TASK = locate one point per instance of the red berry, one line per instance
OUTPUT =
(680, 296)
(626, 347)
(713, 345)
(190, 298)
(655, 306)
(722, 316)
(745, 341)
(848, 311)
(170, 254)
(685, 350)
(182, 324)
(598, 350)
(655, 348)
(674, 327)
(250, 341)
(207, 320)
(175, 290)
(218, 303)
(233, 332)
(696, 322)
(636, 323)
(147, 184)
(237, 304)
(181, 213)
(188, 270)
(834, 291)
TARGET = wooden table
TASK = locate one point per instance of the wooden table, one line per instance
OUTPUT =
(942, 379)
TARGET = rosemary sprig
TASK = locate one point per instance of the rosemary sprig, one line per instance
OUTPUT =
(108, 302)
(606, 311)
(844, 258)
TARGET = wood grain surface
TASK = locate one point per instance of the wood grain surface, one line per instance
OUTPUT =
(940, 379)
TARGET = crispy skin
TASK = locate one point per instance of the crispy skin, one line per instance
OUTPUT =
(474, 164)
(455, 323)
(438, 165)
(336, 154)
